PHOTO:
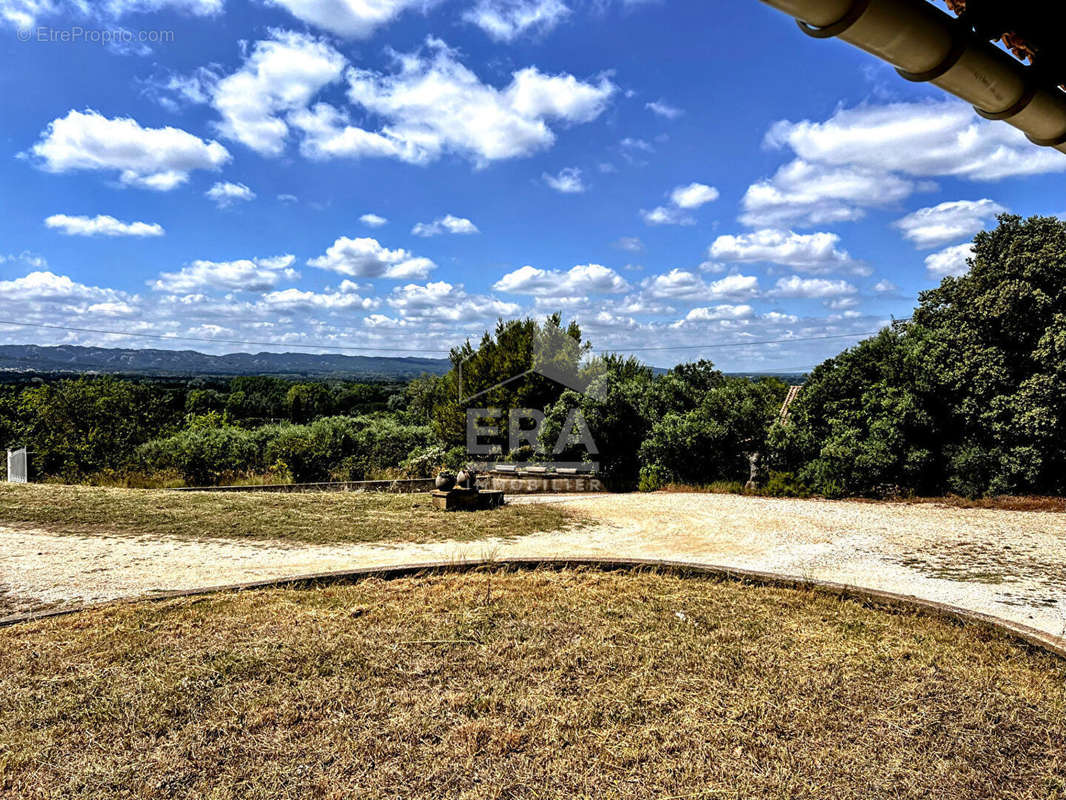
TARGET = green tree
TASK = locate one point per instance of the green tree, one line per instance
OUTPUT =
(307, 401)
(714, 440)
(969, 397)
(80, 426)
(991, 352)
(505, 372)
(615, 408)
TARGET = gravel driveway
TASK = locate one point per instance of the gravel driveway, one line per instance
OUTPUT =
(1009, 564)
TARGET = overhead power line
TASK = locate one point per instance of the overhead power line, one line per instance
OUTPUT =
(747, 344)
(177, 338)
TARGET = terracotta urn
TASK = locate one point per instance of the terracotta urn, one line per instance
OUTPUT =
(445, 481)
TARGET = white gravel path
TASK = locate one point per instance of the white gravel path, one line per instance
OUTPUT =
(1009, 564)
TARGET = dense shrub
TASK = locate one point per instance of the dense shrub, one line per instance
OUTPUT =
(970, 397)
(615, 411)
(426, 461)
(379, 446)
(653, 478)
(77, 427)
(691, 448)
(93, 426)
(715, 440)
(333, 448)
(861, 425)
(202, 456)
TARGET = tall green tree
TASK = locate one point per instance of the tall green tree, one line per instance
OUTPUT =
(970, 397)
(507, 370)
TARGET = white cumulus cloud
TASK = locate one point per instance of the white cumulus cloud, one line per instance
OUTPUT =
(446, 224)
(45, 287)
(666, 215)
(151, 158)
(819, 288)
(506, 20)
(923, 139)
(280, 76)
(101, 225)
(225, 194)
(681, 284)
(24, 14)
(246, 274)
(801, 193)
(367, 258)
(581, 280)
(567, 181)
(373, 220)
(814, 252)
(937, 225)
(719, 312)
(949, 261)
(664, 109)
(355, 19)
(443, 302)
(693, 196)
(433, 105)
(344, 299)
(682, 200)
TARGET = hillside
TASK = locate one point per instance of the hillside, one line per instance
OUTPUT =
(73, 359)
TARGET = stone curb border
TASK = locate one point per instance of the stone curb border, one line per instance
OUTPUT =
(873, 598)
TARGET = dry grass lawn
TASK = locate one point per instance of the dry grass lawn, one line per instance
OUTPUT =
(998, 502)
(542, 684)
(317, 518)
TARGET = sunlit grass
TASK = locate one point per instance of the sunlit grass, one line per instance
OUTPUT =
(540, 684)
(318, 517)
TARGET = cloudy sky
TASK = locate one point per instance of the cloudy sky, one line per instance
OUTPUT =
(688, 178)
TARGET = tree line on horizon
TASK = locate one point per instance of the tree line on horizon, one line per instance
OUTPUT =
(968, 397)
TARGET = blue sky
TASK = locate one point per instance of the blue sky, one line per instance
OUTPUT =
(391, 176)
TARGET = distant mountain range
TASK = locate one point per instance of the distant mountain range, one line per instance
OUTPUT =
(72, 359)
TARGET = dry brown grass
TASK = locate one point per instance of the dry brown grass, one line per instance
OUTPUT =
(525, 685)
(1000, 502)
(1003, 502)
(7, 606)
(316, 518)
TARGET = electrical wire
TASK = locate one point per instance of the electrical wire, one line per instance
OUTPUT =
(745, 344)
(369, 348)
(176, 338)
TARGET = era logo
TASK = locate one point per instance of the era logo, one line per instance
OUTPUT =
(484, 434)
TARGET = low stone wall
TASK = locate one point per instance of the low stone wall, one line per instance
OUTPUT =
(538, 483)
(398, 487)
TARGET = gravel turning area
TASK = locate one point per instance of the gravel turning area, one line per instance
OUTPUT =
(1008, 564)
